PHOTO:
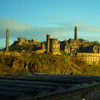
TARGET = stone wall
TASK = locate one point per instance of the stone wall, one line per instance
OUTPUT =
(89, 58)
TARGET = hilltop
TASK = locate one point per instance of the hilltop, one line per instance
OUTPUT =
(23, 45)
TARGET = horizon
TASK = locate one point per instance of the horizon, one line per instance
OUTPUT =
(36, 18)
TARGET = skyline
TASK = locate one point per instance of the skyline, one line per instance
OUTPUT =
(34, 18)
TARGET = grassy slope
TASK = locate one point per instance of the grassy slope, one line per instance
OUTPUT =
(4, 69)
(43, 63)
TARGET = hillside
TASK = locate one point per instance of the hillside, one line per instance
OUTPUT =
(45, 63)
(29, 62)
(41, 63)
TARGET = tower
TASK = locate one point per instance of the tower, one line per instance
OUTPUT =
(7, 40)
(75, 37)
(48, 43)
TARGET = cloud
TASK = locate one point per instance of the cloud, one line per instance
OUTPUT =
(68, 24)
(82, 27)
(14, 25)
(63, 30)
(89, 28)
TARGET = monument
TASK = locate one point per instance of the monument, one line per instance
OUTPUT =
(48, 43)
(7, 40)
(75, 37)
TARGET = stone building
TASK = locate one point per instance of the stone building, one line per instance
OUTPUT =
(74, 46)
(89, 58)
(89, 49)
(96, 49)
(83, 50)
(52, 46)
(67, 49)
(21, 41)
(33, 41)
(90, 54)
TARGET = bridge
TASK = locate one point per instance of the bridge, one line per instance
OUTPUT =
(49, 87)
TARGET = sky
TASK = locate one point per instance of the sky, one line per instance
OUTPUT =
(36, 18)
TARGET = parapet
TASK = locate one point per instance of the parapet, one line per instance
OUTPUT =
(54, 41)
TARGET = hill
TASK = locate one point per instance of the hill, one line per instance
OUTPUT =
(45, 63)
(41, 63)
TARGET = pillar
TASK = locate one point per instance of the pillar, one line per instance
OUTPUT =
(7, 40)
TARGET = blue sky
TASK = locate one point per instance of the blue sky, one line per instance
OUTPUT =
(36, 18)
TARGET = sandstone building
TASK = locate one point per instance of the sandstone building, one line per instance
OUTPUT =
(22, 41)
(51, 46)
(90, 54)
(83, 50)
